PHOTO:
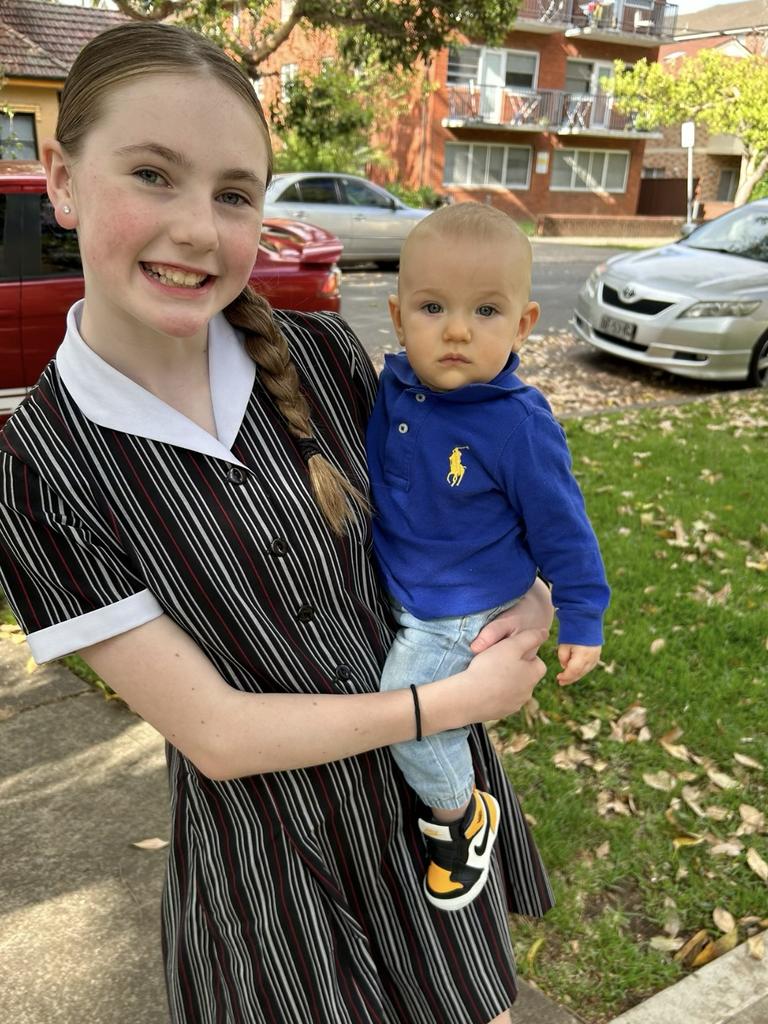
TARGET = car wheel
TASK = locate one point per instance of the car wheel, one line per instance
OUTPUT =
(758, 364)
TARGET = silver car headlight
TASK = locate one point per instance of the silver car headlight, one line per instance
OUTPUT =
(723, 307)
(590, 285)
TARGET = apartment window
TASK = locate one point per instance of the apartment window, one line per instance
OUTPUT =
(287, 74)
(481, 164)
(653, 172)
(589, 170)
(578, 76)
(520, 70)
(726, 187)
(17, 137)
(463, 64)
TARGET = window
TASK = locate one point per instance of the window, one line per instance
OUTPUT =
(358, 194)
(463, 64)
(521, 70)
(578, 76)
(17, 137)
(291, 194)
(726, 187)
(319, 190)
(287, 74)
(653, 172)
(481, 164)
(589, 170)
(59, 251)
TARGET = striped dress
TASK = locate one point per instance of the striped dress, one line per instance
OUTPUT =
(292, 896)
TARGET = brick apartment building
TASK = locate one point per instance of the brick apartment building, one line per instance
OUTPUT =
(736, 29)
(525, 126)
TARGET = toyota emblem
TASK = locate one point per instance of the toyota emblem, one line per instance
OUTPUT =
(628, 293)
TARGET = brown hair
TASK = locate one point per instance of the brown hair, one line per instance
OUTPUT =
(142, 48)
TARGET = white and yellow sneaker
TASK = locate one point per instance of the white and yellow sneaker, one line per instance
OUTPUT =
(460, 853)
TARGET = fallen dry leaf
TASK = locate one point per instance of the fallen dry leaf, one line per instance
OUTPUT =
(691, 948)
(752, 818)
(666, 943)
(680, 751)
(657, 644)
(722, 780)
(723, 919)
(717, 813)
(689, 839)
(715, 949)
(150, 844)
(748, 762)
(589, 731)
(660, 780)
(728, 848)
(603, 850)
(757, 864)
(756, 946)
(691, 796)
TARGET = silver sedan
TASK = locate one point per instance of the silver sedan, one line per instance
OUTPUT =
(697, 308)
(371, 222)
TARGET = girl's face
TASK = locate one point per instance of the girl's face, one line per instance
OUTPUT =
(167, 196)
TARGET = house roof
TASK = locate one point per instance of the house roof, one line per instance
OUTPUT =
(746, 14)
(39, 39)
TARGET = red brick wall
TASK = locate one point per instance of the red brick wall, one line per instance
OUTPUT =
(707, 168)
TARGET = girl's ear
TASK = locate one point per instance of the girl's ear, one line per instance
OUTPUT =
(59, 178)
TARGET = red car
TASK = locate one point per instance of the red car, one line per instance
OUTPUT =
(41, 276)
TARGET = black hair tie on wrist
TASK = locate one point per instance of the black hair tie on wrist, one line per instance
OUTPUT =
(416, 711)
(308, 447)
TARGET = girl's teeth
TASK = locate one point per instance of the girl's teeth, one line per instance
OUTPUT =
(177, 277)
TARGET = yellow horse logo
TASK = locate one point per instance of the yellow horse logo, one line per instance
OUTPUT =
(456, 469)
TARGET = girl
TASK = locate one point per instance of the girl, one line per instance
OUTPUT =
(183, 504)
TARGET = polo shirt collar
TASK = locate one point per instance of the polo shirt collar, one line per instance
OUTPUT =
(110, 399)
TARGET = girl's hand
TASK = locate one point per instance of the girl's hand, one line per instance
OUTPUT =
(576, 661)
(533, 611)
(503, 677)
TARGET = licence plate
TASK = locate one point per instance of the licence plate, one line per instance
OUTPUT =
(618, 328)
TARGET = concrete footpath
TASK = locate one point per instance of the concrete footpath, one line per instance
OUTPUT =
(81, 780)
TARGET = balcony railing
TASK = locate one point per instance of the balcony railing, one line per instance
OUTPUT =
(540, 110)
(620, 17)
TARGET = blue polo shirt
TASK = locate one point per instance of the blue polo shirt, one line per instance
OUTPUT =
(473, 492)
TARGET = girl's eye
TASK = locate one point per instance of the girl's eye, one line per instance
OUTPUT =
(149, 177)
(486, 310)
(432, 307)
(233, 199)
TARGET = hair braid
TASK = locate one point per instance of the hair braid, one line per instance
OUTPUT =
(266, 345)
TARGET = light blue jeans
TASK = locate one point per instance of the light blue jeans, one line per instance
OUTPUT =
(438, 768)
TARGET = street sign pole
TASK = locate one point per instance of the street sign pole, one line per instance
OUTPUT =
(687, 139)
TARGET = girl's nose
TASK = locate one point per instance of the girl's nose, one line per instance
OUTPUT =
(194, 224)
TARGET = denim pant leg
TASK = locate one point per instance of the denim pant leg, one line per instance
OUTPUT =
(438, 768)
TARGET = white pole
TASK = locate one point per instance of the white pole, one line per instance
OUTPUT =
(690, 185)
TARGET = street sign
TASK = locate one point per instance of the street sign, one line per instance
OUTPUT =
(687, 134)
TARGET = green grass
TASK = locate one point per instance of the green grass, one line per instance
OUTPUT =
(643, 472)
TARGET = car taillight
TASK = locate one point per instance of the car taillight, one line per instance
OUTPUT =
(332, 283)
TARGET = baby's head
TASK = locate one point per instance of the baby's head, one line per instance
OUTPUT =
(463, 302)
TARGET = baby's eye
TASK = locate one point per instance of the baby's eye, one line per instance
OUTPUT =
(150, 177)
(486, 310)
(233, 199)
(432, 307)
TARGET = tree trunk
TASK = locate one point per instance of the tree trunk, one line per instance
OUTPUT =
(753, 167)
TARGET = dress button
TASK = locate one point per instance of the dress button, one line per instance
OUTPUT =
(420, 397)
(306, 613)
(403, 428)
(343, 673)
(278, 547)
(235, 475)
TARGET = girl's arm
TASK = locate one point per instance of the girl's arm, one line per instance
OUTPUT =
(165, 677)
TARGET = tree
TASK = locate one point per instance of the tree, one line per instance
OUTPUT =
(325, 122)
(397, 32)
(728, 95)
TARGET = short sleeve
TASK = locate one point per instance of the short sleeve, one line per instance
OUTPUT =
(64, 573)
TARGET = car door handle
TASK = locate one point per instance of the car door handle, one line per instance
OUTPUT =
(359, 216)
(297, 213)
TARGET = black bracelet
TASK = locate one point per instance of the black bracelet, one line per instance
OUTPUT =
(416, 711)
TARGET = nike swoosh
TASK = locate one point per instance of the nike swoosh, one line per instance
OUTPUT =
(479, 848)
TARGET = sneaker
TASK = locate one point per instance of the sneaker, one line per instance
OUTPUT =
(460, 853)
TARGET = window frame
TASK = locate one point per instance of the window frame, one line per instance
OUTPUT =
(11, 114)
(598, 189)
(492, 185)
(481, 52)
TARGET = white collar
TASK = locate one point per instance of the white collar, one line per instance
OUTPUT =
(109, 398)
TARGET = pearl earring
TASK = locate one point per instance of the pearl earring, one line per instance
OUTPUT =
(66, 209)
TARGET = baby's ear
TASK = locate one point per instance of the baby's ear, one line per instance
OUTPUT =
(528, 320)
(394, 311)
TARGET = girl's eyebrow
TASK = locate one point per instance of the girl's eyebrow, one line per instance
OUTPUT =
(174, 157)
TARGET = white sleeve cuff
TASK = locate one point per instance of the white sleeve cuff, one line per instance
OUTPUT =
(101, 624)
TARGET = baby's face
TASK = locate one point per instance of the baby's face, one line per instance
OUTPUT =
(462, 307)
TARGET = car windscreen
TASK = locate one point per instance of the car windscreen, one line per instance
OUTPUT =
(742, 232)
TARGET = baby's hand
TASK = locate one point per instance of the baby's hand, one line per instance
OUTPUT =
(576, 661)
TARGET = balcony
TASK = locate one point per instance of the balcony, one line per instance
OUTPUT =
(542, 110)
(639, 23)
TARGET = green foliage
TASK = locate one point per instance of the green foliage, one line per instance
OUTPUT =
(426, 196)
(760, 191)
(396, 33)
(728, 95)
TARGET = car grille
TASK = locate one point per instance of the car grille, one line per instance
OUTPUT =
(648, 306)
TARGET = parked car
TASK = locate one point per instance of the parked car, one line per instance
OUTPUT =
(371, 222)
(41, 276)
(697, 308)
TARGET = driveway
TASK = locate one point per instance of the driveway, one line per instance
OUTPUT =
(575, 377)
